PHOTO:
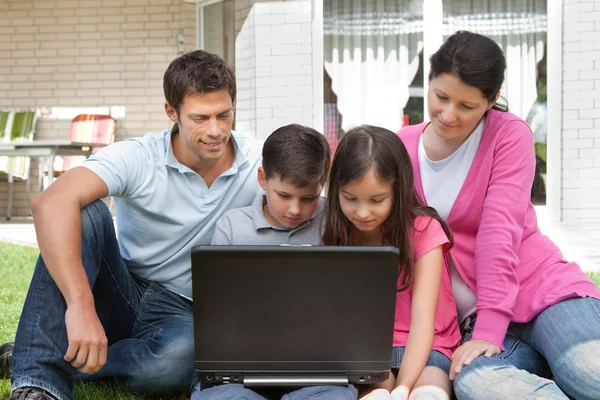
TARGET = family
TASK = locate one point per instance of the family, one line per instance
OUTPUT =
(497, 312)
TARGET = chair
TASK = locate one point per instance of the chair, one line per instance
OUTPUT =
(16, 126)
(86, 128)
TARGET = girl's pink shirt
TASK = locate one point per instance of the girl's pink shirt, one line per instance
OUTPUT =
(515, 271)
(428, 235)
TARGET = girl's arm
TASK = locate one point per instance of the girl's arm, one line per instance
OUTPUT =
(426, 290)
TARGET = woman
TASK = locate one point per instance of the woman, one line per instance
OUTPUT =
(526, 314)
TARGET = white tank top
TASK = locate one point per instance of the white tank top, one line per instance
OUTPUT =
(442, 181)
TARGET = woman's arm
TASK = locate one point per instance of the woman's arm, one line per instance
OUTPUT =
(499, 237)
(426, 290)
(500, 232)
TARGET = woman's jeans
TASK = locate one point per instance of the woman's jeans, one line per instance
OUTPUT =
(563, 342)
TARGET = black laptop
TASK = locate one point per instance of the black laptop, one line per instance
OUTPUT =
(293, 316)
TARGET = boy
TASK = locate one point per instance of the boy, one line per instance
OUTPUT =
(296, 161)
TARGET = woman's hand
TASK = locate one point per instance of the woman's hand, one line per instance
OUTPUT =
(470, 351)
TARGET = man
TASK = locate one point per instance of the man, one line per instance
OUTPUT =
(98, 308)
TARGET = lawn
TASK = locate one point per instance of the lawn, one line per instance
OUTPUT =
(16, 267)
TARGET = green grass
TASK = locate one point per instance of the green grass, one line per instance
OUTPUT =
(595, 276)
(16, 268)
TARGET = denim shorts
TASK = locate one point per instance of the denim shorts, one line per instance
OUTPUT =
(436, 359)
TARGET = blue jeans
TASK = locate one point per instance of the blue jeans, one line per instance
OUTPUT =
(149, 328)
(562, 341)
(236, 391)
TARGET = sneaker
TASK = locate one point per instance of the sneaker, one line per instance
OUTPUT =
(6, 360)
(30, 393)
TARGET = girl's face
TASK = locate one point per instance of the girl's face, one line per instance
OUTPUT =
(455, 108)
(367, 202)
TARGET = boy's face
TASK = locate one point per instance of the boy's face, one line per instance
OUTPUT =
(287, 204)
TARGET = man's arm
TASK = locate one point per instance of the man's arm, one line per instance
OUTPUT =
(57, 219)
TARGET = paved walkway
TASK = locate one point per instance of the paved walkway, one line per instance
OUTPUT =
(579, 242)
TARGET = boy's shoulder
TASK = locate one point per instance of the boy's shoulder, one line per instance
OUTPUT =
(239, 215)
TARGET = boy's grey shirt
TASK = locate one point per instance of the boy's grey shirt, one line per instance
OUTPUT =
(248, 226)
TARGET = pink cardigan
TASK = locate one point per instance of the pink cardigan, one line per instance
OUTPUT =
(515, 271)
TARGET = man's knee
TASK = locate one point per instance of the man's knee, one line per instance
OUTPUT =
(171, 369)
(94, 214)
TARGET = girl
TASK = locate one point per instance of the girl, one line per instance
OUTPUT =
(372, 202)
(526, 313)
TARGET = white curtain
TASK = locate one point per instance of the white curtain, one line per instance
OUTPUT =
(371, 52)
(519, 27)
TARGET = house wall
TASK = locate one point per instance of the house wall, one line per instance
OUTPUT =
(274, 65)
(88, 53)
(111, 54)
(581, 111)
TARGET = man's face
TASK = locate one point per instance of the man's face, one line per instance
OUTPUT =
(205, 121)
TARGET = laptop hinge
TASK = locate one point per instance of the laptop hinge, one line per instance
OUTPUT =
(295, 380)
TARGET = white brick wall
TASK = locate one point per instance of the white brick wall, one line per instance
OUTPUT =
(581, 110)
(245, 68)
(89, 53)
(274, 65)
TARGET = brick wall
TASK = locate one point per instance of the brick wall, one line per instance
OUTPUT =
(274, 65)
(112, 54)
(88, 53)
(581, 110)
(245, 68)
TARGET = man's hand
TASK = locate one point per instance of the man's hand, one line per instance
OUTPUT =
(470, 351)
(87, 340)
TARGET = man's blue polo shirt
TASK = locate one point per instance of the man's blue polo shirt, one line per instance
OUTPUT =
(164, 208)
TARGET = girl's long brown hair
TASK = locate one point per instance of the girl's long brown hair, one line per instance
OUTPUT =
(361, 149)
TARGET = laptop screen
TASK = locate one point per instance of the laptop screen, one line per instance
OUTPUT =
(266, 309)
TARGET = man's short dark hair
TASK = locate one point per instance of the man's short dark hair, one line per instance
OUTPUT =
(297, 153)
(196, 72)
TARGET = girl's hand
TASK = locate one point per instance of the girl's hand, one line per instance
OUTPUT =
(470, 351)
(400, 393)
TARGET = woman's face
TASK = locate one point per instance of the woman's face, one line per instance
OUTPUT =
(455, 108)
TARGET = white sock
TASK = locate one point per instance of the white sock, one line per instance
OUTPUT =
(378, 394)
(429, 393)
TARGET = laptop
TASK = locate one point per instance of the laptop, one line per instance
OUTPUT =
(294, 316)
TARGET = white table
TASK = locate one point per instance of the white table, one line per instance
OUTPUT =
(48, 149)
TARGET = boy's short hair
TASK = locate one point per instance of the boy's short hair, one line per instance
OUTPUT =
(197, 72)
(297, 153)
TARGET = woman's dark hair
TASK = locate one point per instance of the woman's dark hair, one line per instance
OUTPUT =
(196, 72)
(370, 147)
(476, 59)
